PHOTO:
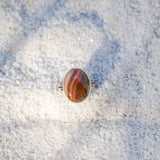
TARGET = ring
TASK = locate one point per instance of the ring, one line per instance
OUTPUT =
(76, 85)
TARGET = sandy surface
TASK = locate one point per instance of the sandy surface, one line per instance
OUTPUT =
(116, 42)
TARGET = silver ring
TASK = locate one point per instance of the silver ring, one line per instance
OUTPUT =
(76, 85)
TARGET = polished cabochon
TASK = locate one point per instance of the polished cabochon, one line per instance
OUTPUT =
(76, 85)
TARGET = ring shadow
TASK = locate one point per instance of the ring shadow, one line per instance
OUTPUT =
(102, 61)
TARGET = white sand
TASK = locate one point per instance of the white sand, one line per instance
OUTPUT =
(116, 40)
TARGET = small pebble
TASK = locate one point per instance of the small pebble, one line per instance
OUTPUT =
(17, 82)
(107, 101)
(56, 154)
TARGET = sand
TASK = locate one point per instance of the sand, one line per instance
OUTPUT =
(116, 42)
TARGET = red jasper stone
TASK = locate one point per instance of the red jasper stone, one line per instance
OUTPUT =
(76, 85)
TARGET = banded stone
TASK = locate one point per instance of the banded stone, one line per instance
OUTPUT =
(76, 85)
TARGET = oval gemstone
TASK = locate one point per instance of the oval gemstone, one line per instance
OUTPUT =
(76, 85)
